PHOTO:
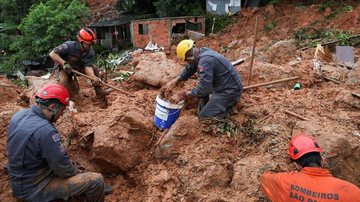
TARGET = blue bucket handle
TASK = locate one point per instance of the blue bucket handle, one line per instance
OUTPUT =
(175, 112)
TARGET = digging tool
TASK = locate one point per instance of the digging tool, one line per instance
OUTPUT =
(271, 82)
(103, 83)
(253, 50)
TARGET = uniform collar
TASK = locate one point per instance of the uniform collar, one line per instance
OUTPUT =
(316, 171)
(37, 110)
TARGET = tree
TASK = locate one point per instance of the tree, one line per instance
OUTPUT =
(47, 25)
(13, 11)
(135, 6)
(11, 14)
(173, 8)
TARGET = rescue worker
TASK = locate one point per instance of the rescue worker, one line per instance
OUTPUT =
(217, 76)
(80, 56)
(38, 164)
(312, 183)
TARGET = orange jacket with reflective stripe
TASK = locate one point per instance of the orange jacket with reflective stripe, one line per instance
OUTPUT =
(310, 185)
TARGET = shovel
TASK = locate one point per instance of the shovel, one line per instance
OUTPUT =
(102, 83)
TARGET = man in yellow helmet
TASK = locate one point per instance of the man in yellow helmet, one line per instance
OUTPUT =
(217, 76)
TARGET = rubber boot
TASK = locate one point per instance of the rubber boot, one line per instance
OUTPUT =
(100, 92)
(108, 189)
(101, 97)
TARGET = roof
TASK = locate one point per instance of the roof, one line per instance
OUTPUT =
(180, 17)
(111, 23)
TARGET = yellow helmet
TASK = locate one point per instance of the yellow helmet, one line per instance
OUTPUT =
(183, 47)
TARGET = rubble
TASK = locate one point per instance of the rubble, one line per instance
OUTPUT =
(187, 163)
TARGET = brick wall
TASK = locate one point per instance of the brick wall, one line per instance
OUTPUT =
(157, 29)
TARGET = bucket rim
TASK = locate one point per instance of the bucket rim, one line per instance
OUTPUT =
(168, 104)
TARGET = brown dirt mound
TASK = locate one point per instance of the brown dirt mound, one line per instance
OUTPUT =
(189, 163)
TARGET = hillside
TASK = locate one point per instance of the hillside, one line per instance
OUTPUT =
(193, 161)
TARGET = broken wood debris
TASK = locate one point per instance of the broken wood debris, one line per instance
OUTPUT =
(237, 62)
(356, 95)
(253, 51)
(296, 115)
(328, 43)
(331, 79)
(271, 82)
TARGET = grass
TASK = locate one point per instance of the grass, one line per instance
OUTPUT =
(310, 37)
(269, 26)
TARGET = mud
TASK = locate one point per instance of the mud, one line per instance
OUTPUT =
(189, 163)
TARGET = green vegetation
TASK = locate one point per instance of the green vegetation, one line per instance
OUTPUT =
(218, 127)
(11, 14)
(13, 11)
(221, 21)
(135, 7)
(274, 2)
(337, 7)
(323, 6)
(269, 26)
(173, 8)
(21, 83)
(343, 36)
(46, 26)
(308, 37)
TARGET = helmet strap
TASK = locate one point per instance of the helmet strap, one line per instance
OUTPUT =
(82, 45)
(192, 57)
(52, 111)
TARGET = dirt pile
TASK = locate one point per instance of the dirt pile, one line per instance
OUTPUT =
(190, 163)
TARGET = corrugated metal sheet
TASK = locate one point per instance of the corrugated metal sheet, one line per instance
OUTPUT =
(345, 54)
(110, 23)
(223, 7)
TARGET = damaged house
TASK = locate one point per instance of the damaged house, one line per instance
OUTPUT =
(165, 31)
(138, 31)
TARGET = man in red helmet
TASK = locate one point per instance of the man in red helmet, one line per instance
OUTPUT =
(312, 183)
(38, 164)
(80, 56)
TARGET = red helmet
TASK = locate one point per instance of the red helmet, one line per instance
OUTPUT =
(87, 36)
(302, 144)
(54, 91)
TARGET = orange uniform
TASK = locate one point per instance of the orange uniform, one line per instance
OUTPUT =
(310, 185)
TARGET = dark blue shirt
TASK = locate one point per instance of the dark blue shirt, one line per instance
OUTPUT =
(70, 52)
(216, 74)
(35, 153)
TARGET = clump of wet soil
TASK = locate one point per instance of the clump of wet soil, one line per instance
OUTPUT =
(189, 163)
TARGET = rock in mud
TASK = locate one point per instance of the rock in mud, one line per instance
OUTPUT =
(122, 143)
(156, 70)
(185, 129)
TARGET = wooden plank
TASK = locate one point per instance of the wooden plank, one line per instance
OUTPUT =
(333, 80)
(271, 82)
(253, 51)
(356, 95)
(328, 43)
(296, 115)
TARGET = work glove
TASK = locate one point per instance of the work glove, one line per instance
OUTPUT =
(96, 81)
(67, 67)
